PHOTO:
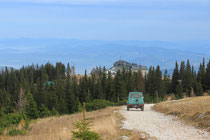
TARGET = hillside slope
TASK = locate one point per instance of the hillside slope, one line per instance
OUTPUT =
(106, 122)
(195, 110)
(59, 128)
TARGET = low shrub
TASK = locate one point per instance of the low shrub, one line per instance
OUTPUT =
(14, 118)
(54, 112)
(11, 122)
(44, 112)
(15, 131)
(122, 102)
(98, 104)
(10, 119)
(1, 131)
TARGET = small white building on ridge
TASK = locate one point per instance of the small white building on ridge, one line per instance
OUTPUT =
(121, 64)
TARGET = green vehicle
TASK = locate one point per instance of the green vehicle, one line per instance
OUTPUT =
(135, 100)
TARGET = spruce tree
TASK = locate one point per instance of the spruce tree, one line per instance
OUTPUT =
(117, 85)
(151, 82)
(53, 98)
(198, 90)
(104, 83)
(123, 90)
(175, 78)
(93, 86)
(166, 83)
(201, 76)
(99, 91)
(31, 107)
(188, 78)
(182, 75)
(60, 92)
(83, 88)
(140, 82)
(207, 77)
(179, 92)
(70, 99)
(158, 81)
(129, 81)
(109, 86)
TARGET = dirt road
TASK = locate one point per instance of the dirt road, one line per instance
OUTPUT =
(160, 126)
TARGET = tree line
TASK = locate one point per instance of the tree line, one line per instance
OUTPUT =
(50, 89)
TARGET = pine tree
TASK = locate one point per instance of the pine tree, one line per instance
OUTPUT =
(166, 83)
(179, 92)
(99, 91)
(129, 81)
(60, 92)
(158, 81)
(151, 82)
(182, 75)
(83, 88)
(207, 76)
(140, 82)
(175, 78)
(31, 107)
(53, 98)
(70, 99)
(198, 90)
(123, 91)
(104, 83)
(188, 78)
(109, 87)
(117, 85)
(93, 87)
(201, 76)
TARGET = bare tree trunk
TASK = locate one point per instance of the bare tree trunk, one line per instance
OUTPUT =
(20, 104)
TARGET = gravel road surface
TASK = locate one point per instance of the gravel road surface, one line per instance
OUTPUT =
(160, 126)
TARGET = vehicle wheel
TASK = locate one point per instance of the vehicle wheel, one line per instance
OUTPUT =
(142, 108)
(127, 108)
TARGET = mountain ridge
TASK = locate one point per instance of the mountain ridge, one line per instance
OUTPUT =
(86, 54)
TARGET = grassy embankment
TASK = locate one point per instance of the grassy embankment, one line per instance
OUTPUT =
(195, 110)
(106, 122)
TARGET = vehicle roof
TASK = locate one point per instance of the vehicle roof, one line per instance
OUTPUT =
(135, 93)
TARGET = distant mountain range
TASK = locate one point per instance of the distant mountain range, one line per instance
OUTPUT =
(86, 54)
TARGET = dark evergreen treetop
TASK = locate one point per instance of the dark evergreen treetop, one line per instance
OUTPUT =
(66, 90)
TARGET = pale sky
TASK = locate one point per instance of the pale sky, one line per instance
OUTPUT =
(164, 20)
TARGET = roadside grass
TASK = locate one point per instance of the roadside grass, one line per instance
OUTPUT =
(106, 122)
(194, 110)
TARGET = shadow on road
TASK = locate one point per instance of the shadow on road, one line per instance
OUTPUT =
(134, 110)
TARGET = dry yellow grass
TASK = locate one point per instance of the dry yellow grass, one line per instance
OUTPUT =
(109, 129)
(106, 122)
(59, 128)
(195, 110)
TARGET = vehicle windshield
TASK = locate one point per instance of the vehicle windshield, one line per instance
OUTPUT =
(134, 95)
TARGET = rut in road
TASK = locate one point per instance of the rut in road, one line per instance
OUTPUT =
(160, 126)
